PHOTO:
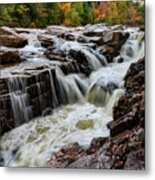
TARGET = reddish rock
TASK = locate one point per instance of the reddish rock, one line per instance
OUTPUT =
(96, 144)
(66, 156)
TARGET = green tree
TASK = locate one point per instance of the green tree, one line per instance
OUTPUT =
(71, 13)
(87, 15)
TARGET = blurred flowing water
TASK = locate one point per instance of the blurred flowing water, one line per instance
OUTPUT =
(89, 102)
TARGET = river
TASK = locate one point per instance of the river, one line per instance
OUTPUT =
(89, 103)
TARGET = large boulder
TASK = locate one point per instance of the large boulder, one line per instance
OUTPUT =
(74, 53)
(11, 39)
(55, 54)
(111, 43)
(10, 57)
(96, 40)
(81, 60)
(6, 31)
(113, 37)
(46, 40)
(109, 52)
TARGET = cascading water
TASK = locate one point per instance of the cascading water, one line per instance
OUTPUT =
(55, 99)
(107, 79)
(71, 87)
(20, 101)
(91, 101)
(94, 59)
(133, 49)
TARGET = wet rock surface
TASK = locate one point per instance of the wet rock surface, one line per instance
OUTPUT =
(35, 86)
(77, 57)
(46, 40)
(10, 57)
(67, 155)
(10, 38)
(124, 149)
(108, 40)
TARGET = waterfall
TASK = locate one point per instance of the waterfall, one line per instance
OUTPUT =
(94, 59)
(32, 37)
(99, 88)
(27, 97)
(133, 49)
(20, 101)
(106, 84)
(33, 40)
(71, 87)
(55, 99)
(33, 51)
(113, 99)
(98, 96)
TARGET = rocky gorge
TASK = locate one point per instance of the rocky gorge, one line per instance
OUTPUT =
(124, 149)
(72, 97)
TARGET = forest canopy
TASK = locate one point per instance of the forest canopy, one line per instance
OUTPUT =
(71, 13)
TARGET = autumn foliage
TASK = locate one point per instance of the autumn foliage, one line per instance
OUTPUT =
(71, 13)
